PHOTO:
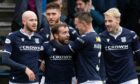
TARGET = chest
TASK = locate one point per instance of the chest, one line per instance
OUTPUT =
(53, 55)
(25, 44)
(119, 43)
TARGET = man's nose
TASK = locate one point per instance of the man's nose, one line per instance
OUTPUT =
(51, 16)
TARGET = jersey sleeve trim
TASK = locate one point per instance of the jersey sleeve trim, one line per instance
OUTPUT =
(136, 50)
(4, 51)
(71, 48)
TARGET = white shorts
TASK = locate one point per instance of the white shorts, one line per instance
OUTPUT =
(42, 80)
(133, 81)
(74, 80)
(23, 83)
(92, 82)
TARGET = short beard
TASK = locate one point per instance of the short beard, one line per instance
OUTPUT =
(30, 30)
(63, 42)
(55, 23)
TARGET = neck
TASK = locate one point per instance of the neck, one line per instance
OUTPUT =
(117, 29)
(58, 42)
(89, 28)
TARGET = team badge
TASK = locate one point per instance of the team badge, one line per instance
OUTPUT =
(108, 40)
(37, 40)
(8, 41)
(22, 39)
(123, 39)
(98, 39)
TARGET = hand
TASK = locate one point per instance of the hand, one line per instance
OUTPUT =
(42, 66)
(30, 74)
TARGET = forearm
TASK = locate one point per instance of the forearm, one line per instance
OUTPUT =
(7, 61)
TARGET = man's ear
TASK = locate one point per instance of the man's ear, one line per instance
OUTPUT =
(23, 21)
(55, 36)
(118, 20)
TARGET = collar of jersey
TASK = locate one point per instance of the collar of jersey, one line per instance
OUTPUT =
(119, 33)
(90, 31)
(29, 36)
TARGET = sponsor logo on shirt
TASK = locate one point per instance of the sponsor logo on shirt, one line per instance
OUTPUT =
(98, 46)
(117, 47)
(31, 48)
(60, 57)
(98, 39)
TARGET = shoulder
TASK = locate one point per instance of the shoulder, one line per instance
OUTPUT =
(13, 35)
(38, 36)
(130, 33)
(82, 39)
(72, 30)
(46, 45)
(10, 37)
(104, 33)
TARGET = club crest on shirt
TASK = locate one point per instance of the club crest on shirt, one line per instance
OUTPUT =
(37, 40)
(123, 39)
(22, 39)
(98, 39)
(7, 41)
(107, 39)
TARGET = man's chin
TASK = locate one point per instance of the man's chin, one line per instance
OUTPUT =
(67, 41)
(34, 30)
(51, 24)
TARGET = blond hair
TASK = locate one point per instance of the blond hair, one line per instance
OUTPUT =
(113, 12)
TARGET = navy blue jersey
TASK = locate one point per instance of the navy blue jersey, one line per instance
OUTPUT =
(46, 33)
(21, 51)
(88, 47)
(118, 55)
(58, 67)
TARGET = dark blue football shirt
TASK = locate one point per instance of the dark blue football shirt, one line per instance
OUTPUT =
(88, 47)
(59, 67)
(118, 55)
(20, 51)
